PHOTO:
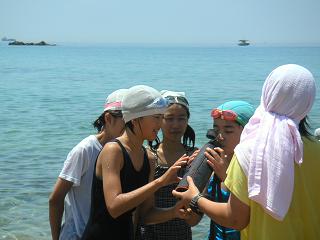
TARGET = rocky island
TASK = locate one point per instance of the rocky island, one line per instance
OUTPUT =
(19, 43)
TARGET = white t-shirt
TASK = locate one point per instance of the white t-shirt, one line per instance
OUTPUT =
(79, 168)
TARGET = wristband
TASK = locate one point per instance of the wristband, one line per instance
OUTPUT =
(194, 203)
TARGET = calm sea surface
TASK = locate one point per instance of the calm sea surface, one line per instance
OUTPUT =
(49, 96)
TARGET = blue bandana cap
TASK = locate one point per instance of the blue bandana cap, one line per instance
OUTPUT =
(244, 110)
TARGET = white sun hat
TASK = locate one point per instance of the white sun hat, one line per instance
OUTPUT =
(114, 100)
(141, 101)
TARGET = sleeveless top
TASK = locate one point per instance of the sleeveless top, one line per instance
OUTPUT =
(215, 193)
(173, 229)
(101, 224)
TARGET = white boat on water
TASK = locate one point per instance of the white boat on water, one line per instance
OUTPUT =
(243, 42)
(7, 39)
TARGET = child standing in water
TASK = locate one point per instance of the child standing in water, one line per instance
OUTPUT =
(178, 139)
(124, 176)
(71, 194)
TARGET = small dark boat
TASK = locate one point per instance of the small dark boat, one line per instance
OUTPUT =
(7, 39)
(243, 43)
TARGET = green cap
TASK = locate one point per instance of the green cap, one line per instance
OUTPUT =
(244, 110)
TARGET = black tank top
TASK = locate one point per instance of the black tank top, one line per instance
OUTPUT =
(101, 224)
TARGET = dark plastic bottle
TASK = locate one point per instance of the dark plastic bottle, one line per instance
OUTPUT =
(199, 169)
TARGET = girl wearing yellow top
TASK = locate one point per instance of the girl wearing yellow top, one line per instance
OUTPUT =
(274, 173)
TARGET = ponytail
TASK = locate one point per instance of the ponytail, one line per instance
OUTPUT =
(189, 137)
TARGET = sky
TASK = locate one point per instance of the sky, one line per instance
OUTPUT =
(202, 22)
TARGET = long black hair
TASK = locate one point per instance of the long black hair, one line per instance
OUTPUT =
(130, 126)
(304, 128)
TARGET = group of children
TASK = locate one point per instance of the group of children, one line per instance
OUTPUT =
(112, 186)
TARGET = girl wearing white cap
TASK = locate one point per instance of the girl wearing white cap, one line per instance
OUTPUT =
(70, 196)
(178, 139)
(124, 177)
(274, 173)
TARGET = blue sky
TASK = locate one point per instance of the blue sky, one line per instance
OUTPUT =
(208, 22)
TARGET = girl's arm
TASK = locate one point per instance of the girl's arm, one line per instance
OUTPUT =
(117, 202)
(233, 214)
(56, 206)
(196, 218)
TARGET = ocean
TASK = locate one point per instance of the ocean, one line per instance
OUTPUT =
(51, 95)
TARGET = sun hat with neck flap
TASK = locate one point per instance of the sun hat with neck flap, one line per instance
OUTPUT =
(271, 143)
(141, 101)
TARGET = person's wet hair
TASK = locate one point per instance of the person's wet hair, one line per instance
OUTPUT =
(100, 122)
(130, 126)
(304, 128)
(189, 136)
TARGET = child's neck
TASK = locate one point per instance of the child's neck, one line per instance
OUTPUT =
(171, 146)
(132, 140)
(103, 137)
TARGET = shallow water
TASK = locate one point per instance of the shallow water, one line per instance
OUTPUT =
(50, 95)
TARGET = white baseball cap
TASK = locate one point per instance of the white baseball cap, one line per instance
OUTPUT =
(141, 101)
(114, 100)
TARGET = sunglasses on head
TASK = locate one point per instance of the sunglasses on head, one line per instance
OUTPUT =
(177, 99)
(228, 115)
(116, 113)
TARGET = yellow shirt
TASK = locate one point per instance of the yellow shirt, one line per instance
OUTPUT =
(303, 218)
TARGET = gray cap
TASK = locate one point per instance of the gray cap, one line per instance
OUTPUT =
(141, 101)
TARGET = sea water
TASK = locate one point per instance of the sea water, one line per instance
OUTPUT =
(49, 96)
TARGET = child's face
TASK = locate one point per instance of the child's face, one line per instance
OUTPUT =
(175, 122)
(228, 133)
(150, 126)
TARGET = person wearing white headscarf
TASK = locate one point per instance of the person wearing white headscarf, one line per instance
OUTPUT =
(274, 174)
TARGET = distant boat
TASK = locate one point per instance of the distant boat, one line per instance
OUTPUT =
(243, 42)
(7, 39)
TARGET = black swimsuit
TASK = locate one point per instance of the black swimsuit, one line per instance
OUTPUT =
(101, 224)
